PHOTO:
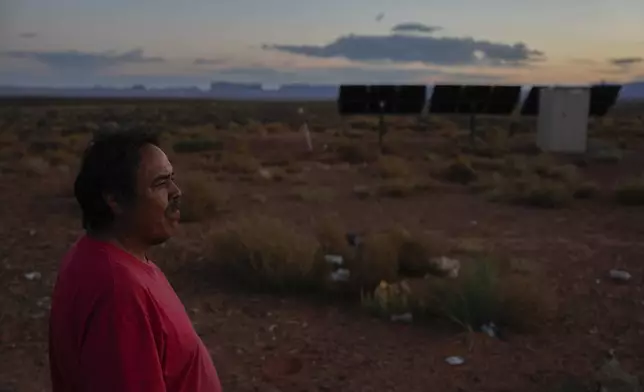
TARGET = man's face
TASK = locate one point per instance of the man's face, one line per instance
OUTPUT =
(154, 215)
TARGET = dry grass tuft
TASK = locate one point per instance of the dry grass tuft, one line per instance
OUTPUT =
(390, 166)
(196, 146)
(269, 254)
(586, 190)
(460, 171)
(239, 163)
(311, 194)
(397, 188)
(202, 198)
(630, 192)
(493, 291)
(331, 234)
(34, 166)
(531, 190)
(377, 260)
(363, 192)
(356, 153)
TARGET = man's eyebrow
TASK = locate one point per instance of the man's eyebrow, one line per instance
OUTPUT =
(160, 177)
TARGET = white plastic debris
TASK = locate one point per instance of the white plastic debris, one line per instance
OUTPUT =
(455, 361)
(33, 275)
(620, 275)
(334, 259)
(404, 317)
(265, 174)
(449, 267)
(489, 329)
(44, 302)
(340, 275)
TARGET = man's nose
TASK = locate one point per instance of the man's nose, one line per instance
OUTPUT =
(175, 191)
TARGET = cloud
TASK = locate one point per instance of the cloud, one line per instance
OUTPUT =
(414, 27)
(77, 61)
(626, 61)
(203, 61)
(380, 17)
(28, 35)
(582, 61)
(412, 49)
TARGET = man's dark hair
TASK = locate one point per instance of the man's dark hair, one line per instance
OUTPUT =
(109, 166)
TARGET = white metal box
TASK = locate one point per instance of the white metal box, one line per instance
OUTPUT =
(562, 125)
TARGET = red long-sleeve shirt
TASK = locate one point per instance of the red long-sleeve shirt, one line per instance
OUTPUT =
(117, 325)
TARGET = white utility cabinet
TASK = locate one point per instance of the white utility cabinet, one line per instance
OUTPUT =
(562, 125)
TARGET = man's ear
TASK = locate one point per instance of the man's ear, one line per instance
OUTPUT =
(114, 204)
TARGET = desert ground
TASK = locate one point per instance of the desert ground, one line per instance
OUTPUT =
(450, 234)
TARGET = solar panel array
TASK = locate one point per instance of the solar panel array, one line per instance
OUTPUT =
(496, 100)
(382, 99)
(456, 99)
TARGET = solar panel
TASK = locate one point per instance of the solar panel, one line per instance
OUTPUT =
(503, 100)
(445, 99)
(602, 98)
(353, 99)
(381, 99)
(453, 99)
(531, 104)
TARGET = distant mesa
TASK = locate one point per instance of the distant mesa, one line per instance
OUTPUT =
(223, 90)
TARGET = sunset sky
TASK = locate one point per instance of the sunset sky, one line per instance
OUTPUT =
(191, 42)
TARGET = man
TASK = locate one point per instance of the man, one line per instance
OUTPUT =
(116, 323)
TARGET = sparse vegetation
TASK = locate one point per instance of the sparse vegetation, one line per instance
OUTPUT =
(630, 192)
(202, 198)
(390, 166)
(258, 205)
(460, 171)
(196, 145)
(267, 253)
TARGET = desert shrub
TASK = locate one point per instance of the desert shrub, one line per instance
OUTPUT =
(545, 194)
(201, 198)
(565, 173)
(415, 252)
(390, 166)
(34, 165)
(276, 127)
(363, 192)
(459, 171)
(483, 163)
(267, 253)
(196, 145)
(630, 192)
(586, 190)
(331, 235)
(356, 153)
(487, 182)
(239, 163)
(495, 291)
(40, 146)
(376, 260)
(61, 157)
(531, 190)
(397, 188)
(613, 155)
(388, 299)
(313, 194)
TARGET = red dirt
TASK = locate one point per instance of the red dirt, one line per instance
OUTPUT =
(267, 343)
